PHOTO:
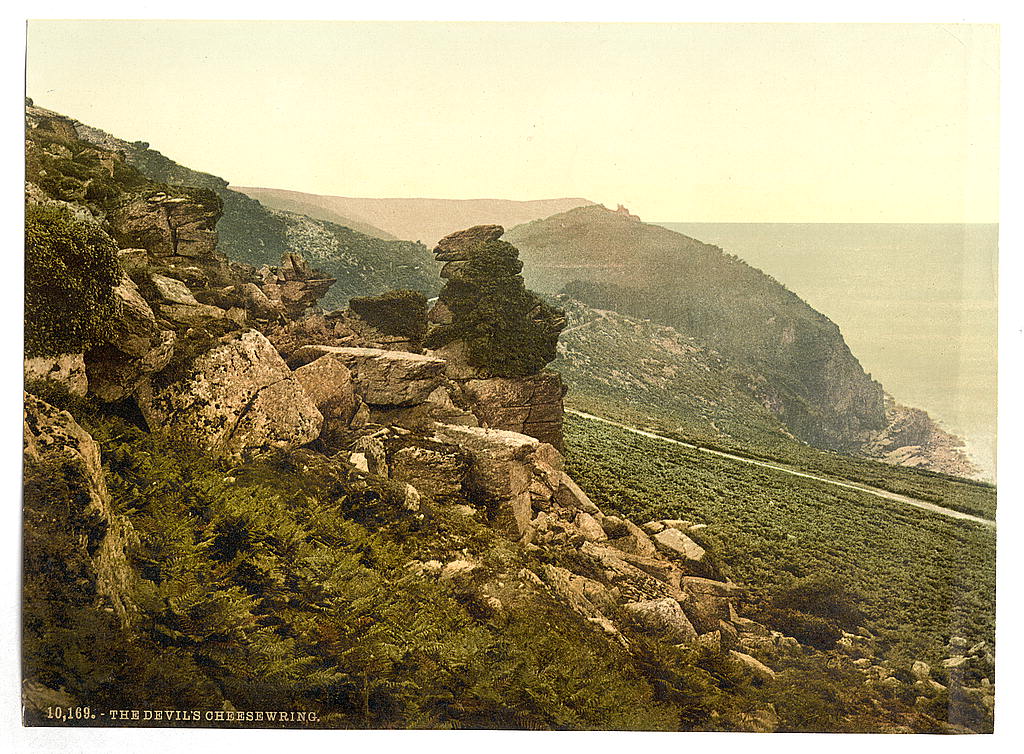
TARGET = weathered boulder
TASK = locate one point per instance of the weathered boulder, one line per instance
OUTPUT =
(438, 407)
(570, 589)
(328, 383)
(175, 226)
(66, 369)
(752, 666)
(295, 284)
(706, 602)
(238, 399)
(136, 348)
(382, 378)
(663, 618)
(258, 304)
(634, 582)
(504, 466)
(569, 495)
(175, 301)
(675, 544)
(314, 329)
(55, 444)
(456, 247)
(530, 405)
(435, 469)
(173, 291)
(589, 527)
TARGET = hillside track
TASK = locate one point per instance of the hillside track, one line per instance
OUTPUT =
(865, 488)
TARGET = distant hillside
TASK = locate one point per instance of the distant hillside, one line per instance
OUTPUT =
(806, 373)
(650, 375)
(363, 262)
(424, 220)
(312, 205)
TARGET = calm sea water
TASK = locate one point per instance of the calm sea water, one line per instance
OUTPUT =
(916, 303)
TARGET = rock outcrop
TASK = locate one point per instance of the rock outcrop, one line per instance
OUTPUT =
(58, 451)
(295, 284)
(496, 336)
(67, 370)
(531, 405)
(176, 226)
(136, 347)
(237, 399)
(912, 438)
(382, 378)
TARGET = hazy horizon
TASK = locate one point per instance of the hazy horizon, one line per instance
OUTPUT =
(712, 122)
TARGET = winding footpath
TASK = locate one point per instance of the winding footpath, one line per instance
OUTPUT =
(876, 491)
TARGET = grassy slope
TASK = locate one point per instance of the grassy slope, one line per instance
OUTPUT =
(925, 577)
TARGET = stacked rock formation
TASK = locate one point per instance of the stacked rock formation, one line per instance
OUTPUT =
(496, 336)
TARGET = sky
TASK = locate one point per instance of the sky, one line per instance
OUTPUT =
(688, 122)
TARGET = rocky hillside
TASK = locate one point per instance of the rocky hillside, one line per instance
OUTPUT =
(239, 504)
(361, 258)
(650, 375)
(425, 220)
(611, 260)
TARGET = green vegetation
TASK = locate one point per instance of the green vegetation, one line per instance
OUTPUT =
(70, 268)
(363, 266)
(509, 330)
(923, 577)
(651, 377)
(283, 585)
(400, 312)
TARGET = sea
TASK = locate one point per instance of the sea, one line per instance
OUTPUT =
(916, 303)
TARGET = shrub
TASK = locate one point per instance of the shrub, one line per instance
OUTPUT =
(826, 597)
(401, 312)
(812, 630)
(70, 268)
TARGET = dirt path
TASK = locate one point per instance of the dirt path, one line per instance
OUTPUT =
(876, 491)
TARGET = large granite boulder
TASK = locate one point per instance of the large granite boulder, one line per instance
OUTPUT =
(65, 369)
(382, 378)
(663, 618)
(677, 545)
(57, 451)
(174, 226)
(328, 383)
(507, 470)
(434, 468)
(238, 399)
(136, 347)
(706, 602)
(530, 405)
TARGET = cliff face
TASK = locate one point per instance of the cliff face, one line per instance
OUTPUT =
(803, 370)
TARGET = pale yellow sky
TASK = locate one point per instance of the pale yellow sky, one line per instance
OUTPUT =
(687, 122)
